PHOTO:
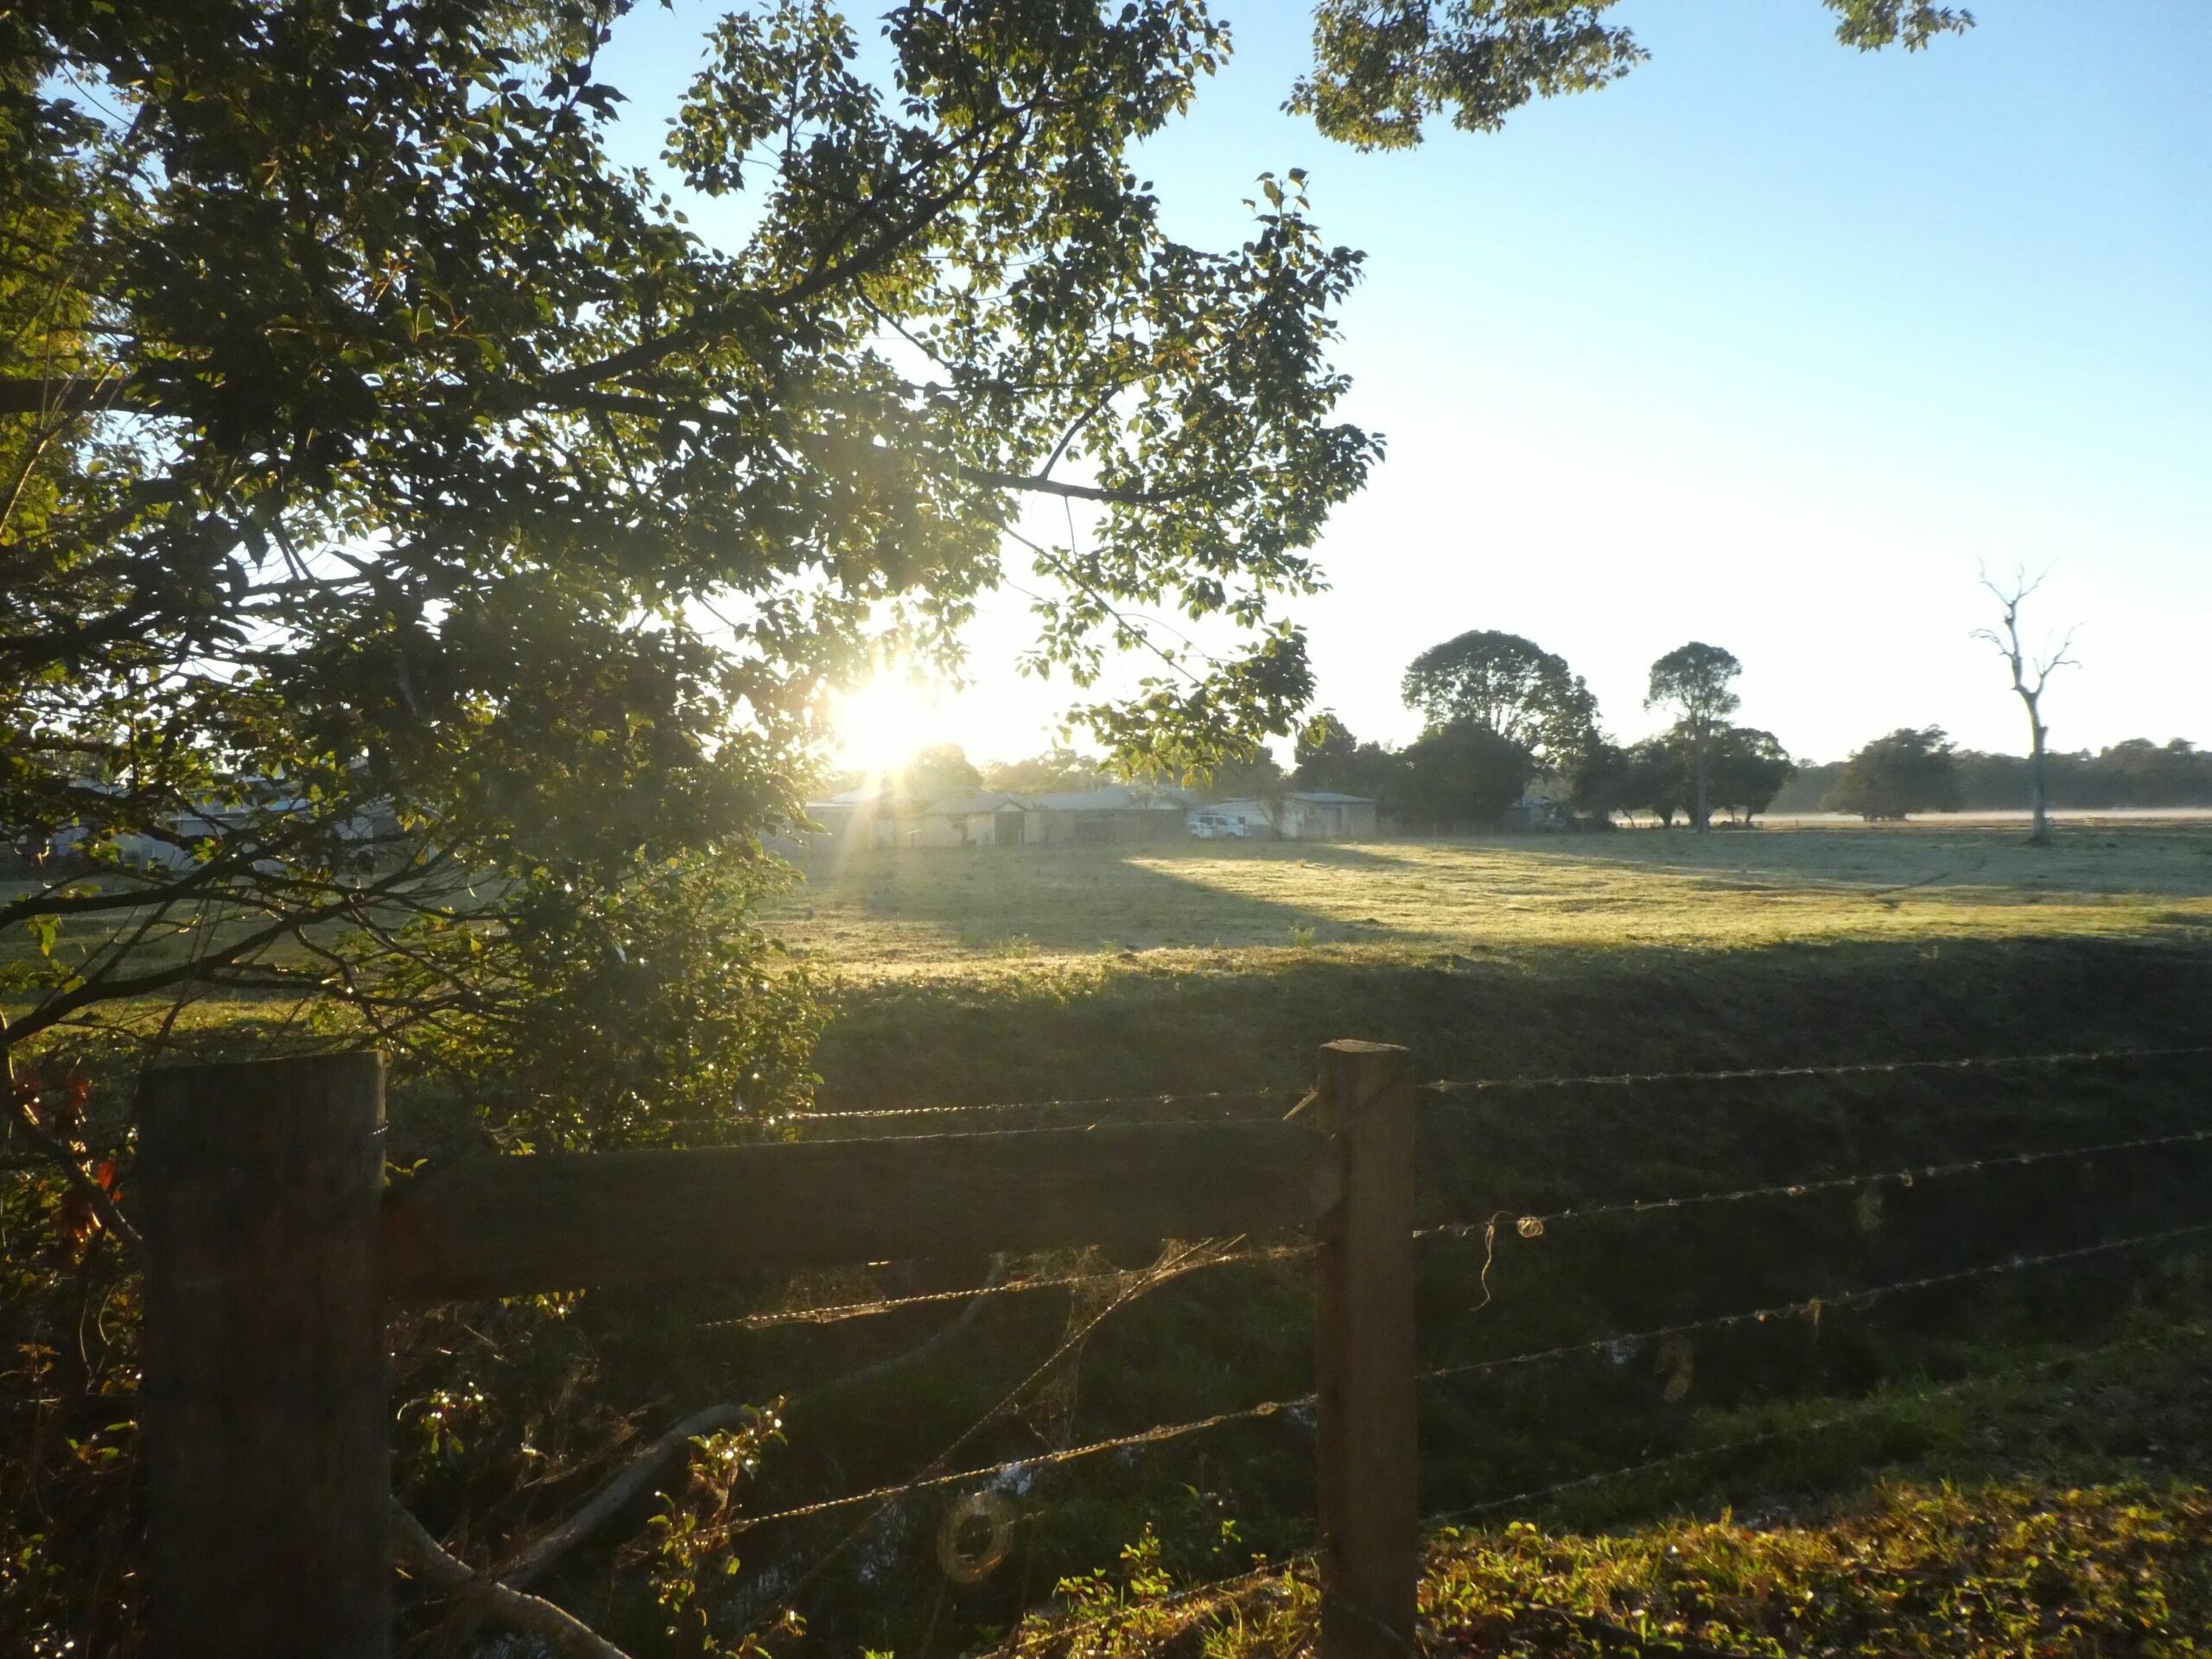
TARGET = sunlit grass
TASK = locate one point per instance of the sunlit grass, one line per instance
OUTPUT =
(904, 912)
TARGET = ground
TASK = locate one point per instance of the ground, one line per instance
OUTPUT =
(1038, 975)
(875, 913)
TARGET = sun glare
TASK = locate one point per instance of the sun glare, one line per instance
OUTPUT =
(880, 724)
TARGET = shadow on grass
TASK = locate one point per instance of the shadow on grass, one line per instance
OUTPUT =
(1057, 901)
(1244, 1020)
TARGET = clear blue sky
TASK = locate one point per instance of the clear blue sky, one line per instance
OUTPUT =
(1765, 346)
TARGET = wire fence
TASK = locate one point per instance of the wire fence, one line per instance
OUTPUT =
(1120, 1289)
(1811, 1307)
(1448, 1087)
(836, 1313)
(1533, 1224)
(1230, 1099)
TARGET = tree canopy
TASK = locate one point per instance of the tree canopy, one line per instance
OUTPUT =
(1052, 772)
(1380, 71)
(1458, 775)
(1906, 772)
(1330, 758)
(1746, 769)
(938, 771)
(382, 453)
(1510, 685)
(1697, 682)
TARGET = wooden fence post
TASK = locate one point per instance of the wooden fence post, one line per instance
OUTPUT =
(266, 1415)
(1369, 1559)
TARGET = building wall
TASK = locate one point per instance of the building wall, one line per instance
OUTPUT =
(1112, 827)
(1303, 820)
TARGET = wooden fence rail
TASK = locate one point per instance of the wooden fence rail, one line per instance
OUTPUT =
(273, 1252)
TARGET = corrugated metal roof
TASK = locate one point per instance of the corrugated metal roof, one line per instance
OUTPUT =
(969, 806)
(1113, 798)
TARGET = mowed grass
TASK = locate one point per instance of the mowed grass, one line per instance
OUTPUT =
(917, 912)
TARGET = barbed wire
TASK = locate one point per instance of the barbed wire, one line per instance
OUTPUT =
(1158, 1434)
(1069, 1343)
(1098, 1102)
(1872, 1407)
(833, 1312)
(1446, 1086)
(1532, 1225)
(1152, 1436)
(1810, 1306)
(1451, 1086)
(1064, 1635)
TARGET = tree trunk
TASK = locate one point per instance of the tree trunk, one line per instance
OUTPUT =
(2038, 797)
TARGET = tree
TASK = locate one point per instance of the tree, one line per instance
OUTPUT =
(1460, 775)
(1906, 771)
(1525, 694)
(390, 472)
(1655, 778)
(1696, 682)
(2031, 672)
(1330, 758)
(1379, 70)
(1747, 769)
(1258, 777)
(1058, 769)
(938, 771)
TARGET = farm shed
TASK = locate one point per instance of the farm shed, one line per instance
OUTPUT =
(867, 817)
(1305, 815)
(1118, 815)
(985, 820)
(1121, 815)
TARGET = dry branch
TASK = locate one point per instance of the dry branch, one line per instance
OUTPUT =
(423, 1557)
(608, 1500)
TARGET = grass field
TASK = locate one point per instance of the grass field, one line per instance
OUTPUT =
(891, 913)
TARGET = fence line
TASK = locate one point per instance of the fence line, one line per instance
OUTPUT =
(1448, 1087)
(1873, 1406)
(1811, 1306)
(315, 1445)
(1453, 1086)
(1904, 1177)
(1158, 1433)
(1091, 1104)
(833, 1312)
(931, 1475)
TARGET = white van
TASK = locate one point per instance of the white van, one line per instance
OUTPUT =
(1218, 826)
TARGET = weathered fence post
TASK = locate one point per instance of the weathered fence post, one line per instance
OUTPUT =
(1369, 1559)
(265, 1411)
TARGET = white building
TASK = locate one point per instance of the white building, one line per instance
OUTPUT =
(1305, 815)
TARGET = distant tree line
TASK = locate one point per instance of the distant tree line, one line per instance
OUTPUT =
(1508, 725)
(1922, 772)
(1506, 722)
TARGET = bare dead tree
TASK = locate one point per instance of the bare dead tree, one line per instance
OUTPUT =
(2032, 675)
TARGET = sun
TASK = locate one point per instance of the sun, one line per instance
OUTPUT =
(882, 723)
